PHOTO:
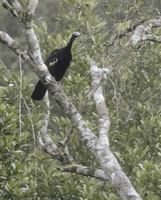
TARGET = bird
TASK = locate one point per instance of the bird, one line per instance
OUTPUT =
(57, 62)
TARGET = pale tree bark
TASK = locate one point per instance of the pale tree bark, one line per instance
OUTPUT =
(141, 32)
(103, 153)
(99, 146)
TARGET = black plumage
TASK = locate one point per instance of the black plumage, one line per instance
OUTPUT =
(57, 63)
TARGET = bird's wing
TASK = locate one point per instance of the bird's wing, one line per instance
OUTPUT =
(52, 59)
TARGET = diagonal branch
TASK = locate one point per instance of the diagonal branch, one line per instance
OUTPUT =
(14, 7)
(54, 89)
(14, 46)
(51, 148)
(85, 171)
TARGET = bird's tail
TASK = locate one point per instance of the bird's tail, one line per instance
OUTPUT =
(39, 91)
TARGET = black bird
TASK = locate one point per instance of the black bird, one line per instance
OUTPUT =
(57, 63)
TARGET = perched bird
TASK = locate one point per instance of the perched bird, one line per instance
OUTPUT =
(57, 63)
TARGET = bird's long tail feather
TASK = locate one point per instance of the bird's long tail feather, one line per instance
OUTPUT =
(39, 91)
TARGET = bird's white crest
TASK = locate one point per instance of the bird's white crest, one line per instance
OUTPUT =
(76, 34)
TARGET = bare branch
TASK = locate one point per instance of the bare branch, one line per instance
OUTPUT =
(6, 4)
(103, 72)
(141, 31)
(153, 38)
(104, 155)
(45, 140)
(102, 110)
(124, 33)
(14, 7)
(85, 171)
(32, 6)
(14, 46)
(33, 44)
(54, 89)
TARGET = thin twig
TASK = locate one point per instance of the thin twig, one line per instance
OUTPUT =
(20, 97)
(44, 129)
(25, 103)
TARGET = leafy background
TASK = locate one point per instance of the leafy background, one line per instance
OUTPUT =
(132, 94)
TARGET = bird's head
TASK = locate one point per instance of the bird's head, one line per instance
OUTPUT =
(75, 35)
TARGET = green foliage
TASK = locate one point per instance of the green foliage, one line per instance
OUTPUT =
(132, 93)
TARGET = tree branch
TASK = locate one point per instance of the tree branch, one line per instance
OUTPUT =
(124, 33)
(141, 31)
(54, 89)
(32, 6)
(102, 110)
(85, 171)
(153, 38)
(104, 155)
(50, 147)
(14, 7)
(14, 46)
